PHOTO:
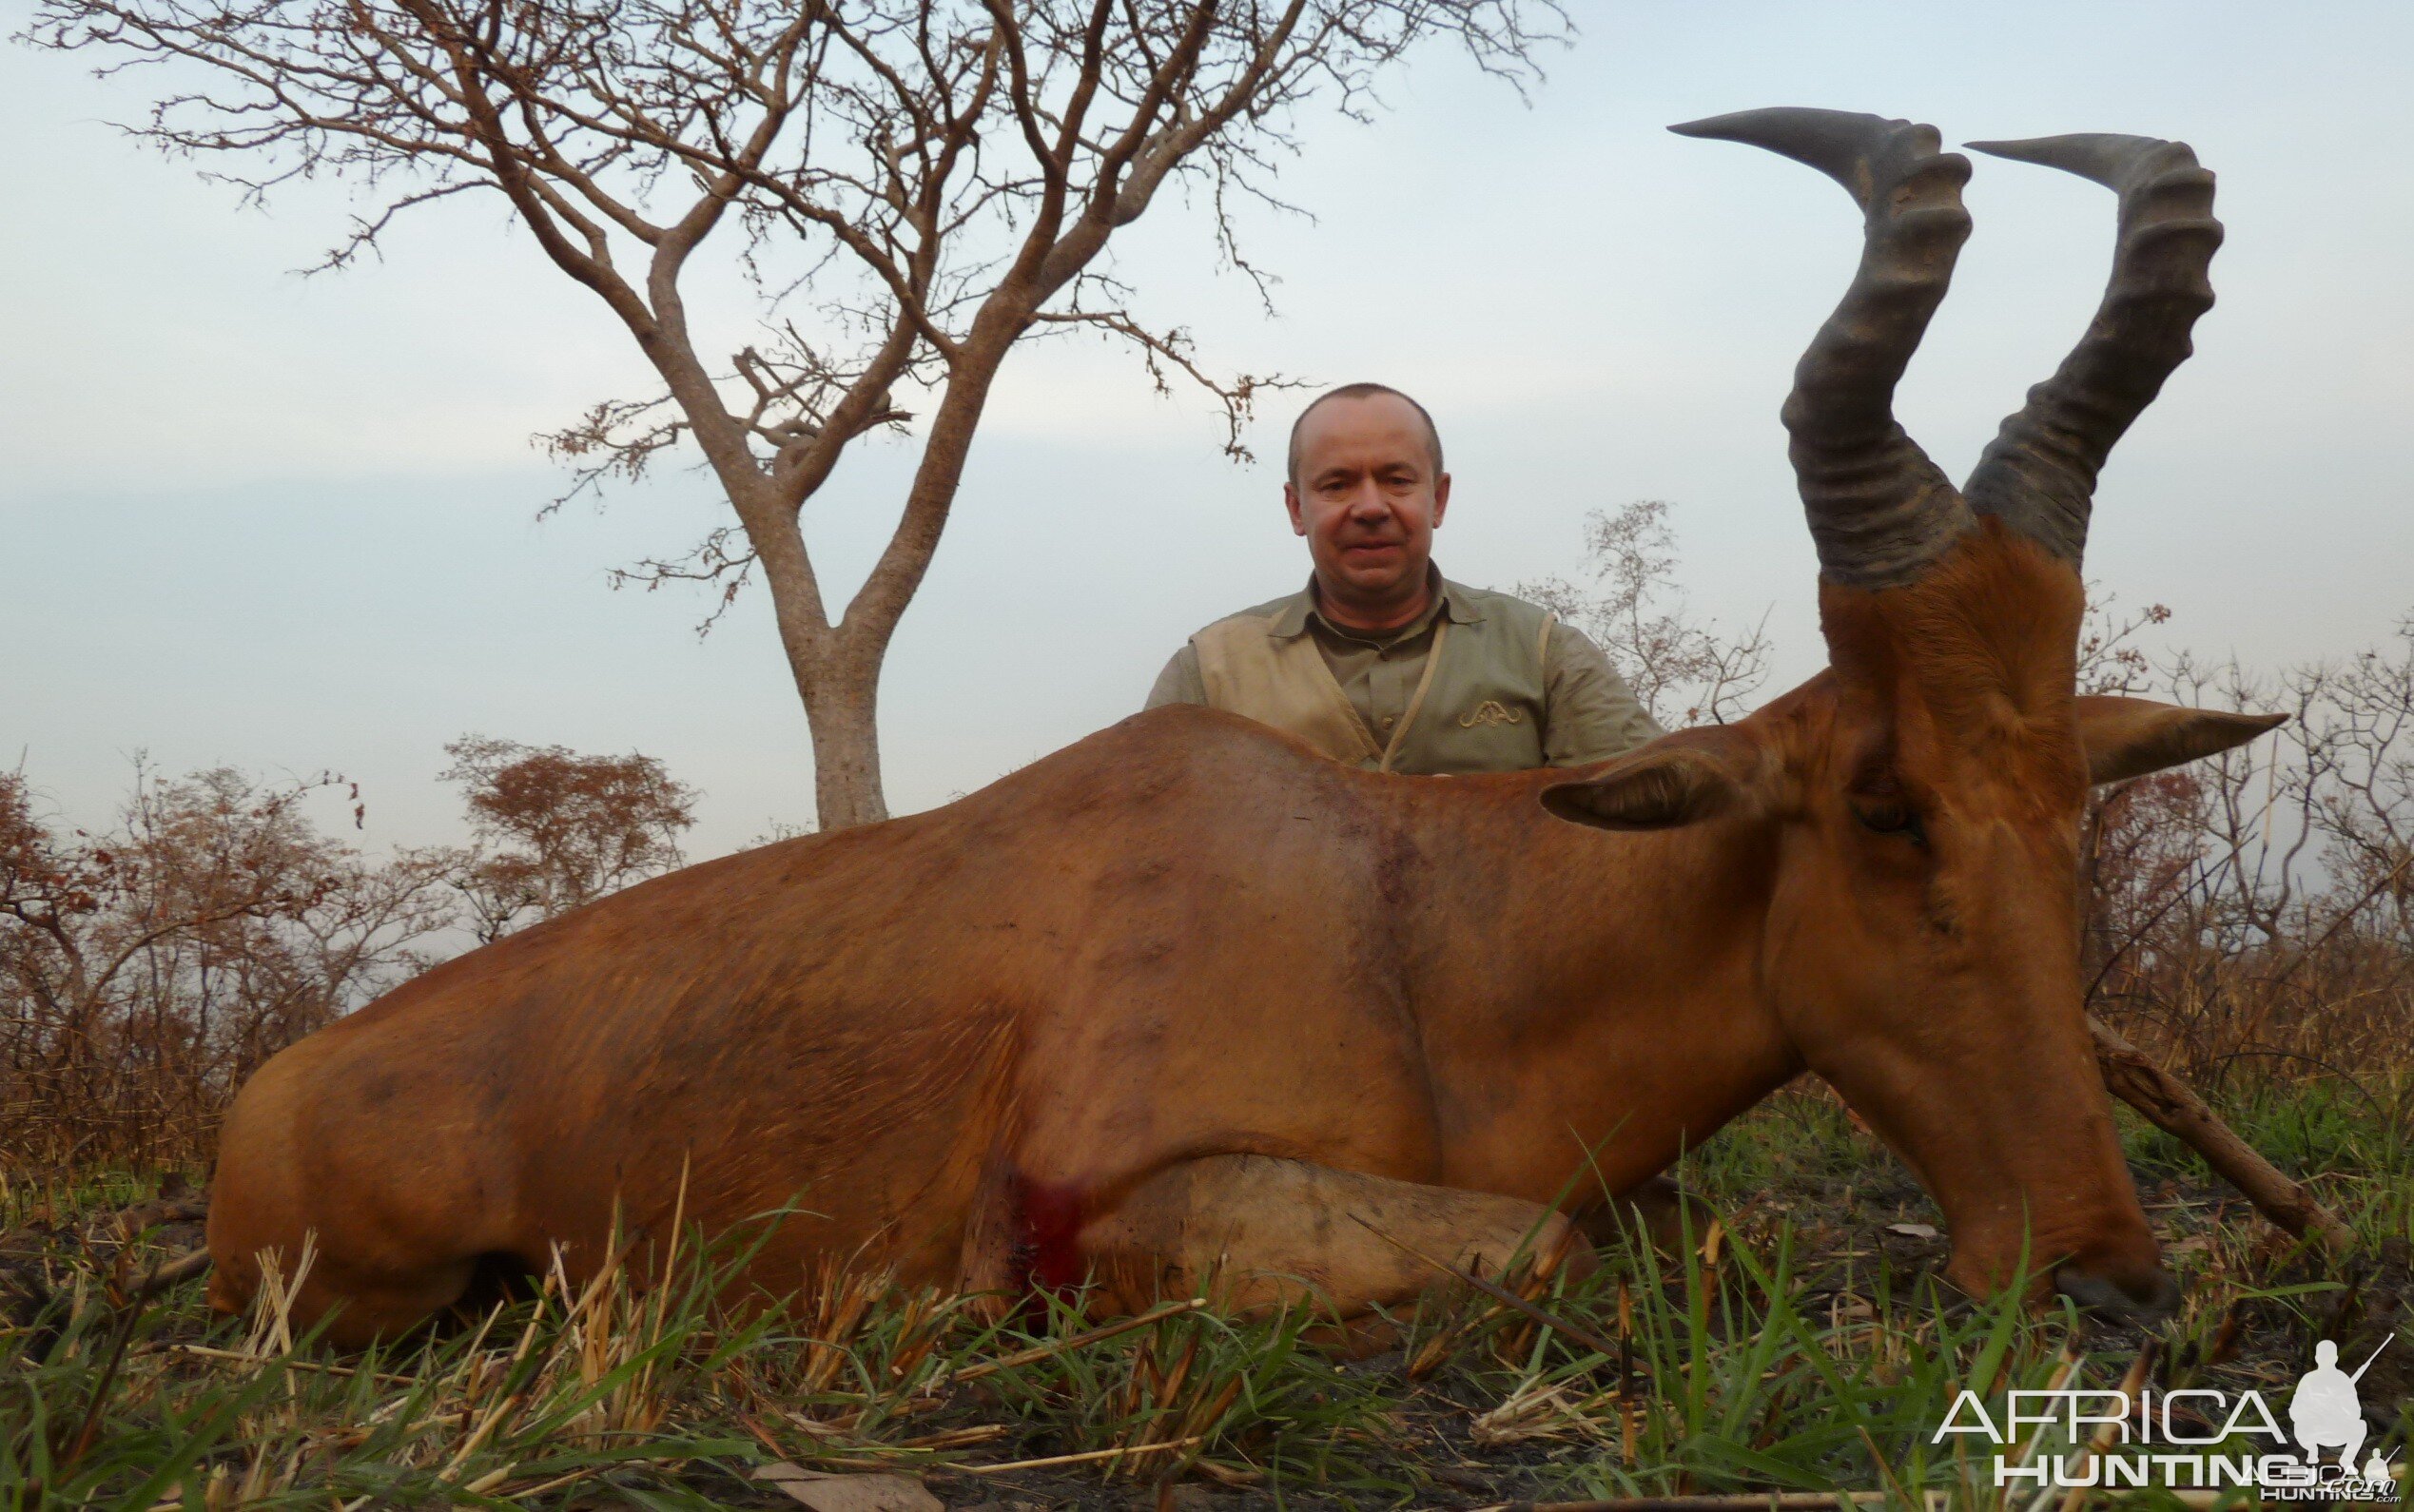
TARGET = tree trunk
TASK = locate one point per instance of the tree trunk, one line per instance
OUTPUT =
(842, 706)
(837, 667)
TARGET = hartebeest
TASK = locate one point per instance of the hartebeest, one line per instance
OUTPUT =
(1186, 991)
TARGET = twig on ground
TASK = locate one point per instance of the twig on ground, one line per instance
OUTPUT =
(2170, 1106)
(161, 1276)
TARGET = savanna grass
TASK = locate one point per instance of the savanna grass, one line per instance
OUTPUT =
(1800, 1339)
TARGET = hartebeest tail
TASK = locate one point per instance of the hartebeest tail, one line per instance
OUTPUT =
(1186, 999)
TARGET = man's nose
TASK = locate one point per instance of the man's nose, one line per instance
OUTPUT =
(1368, 503)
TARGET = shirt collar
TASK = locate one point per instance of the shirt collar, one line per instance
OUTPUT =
(1450, 599)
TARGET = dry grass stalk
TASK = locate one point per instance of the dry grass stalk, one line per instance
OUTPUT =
(2132, 1380)
(1087, 1457)
(1056, 1346)
(1539, 1409)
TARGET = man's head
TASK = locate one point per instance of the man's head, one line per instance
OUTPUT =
(1367, 490)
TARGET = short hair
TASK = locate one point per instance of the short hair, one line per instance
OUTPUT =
(1362, 391)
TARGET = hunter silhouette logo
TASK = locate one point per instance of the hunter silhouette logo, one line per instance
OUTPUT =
(2169, 1438)
(2324, 1408)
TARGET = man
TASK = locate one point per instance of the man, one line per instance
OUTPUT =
(1380, 661)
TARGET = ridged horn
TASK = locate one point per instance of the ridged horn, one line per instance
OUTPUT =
(1880, 512)
(2038, 475)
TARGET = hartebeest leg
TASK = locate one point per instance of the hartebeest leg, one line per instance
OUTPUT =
(1262, 1231)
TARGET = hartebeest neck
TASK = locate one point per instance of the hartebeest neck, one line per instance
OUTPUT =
(1591, 1002)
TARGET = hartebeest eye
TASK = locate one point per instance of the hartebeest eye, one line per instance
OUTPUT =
(1877, 801)
(1887, 816)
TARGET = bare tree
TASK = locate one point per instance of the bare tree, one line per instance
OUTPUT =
(557, 830)
(1684, 670)
(2366, 814)
(908, 187)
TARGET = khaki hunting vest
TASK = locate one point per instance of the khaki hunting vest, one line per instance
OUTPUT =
(1478, 706)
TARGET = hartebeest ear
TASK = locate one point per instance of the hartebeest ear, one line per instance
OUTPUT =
(2129, 737)
(1675, 780)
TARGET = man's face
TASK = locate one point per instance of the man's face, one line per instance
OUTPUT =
(1367, 496)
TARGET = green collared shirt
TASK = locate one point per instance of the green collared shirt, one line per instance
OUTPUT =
(1581, 709)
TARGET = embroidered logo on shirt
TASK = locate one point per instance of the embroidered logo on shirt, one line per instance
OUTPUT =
(1491, 711)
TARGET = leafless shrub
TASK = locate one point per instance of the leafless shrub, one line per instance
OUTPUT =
(147, 970)
(2248, 914)
(2111, 658)
(1684, 670)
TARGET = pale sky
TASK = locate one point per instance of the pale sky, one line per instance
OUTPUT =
(288, 525)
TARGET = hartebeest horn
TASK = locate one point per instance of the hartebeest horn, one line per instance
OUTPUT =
(2038, 475)
(1880, 511)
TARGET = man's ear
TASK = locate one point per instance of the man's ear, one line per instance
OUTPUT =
(1676, 780)
(2129, 737)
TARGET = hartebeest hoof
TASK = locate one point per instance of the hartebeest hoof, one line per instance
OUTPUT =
(2145, 1300)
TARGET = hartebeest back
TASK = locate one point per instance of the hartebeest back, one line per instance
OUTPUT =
(1187, 994)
